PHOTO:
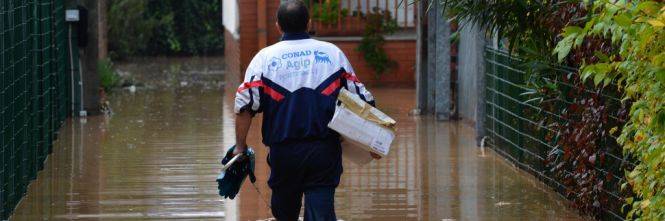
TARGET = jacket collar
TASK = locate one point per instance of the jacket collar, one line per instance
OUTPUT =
(294, 36)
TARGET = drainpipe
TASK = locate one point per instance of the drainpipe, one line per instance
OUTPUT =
(421, 58)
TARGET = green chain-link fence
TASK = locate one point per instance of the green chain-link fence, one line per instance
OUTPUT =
(33, 91)
(515, 126)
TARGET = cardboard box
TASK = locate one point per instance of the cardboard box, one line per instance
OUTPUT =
(363, 127)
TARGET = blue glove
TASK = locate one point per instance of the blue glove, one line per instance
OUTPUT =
(230, 181)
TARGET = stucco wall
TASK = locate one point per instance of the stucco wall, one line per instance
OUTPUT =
(231, 17)
(470, 62)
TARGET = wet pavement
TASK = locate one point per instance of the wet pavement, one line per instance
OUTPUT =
(157, 158)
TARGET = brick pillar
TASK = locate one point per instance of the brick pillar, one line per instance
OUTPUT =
(262, 23)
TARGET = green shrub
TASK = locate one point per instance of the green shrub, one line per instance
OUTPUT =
(532, 30)
(196, 27)
(327, 12)
(131, 28)
(107, 75)
(379, 23)
(636, 28)
(165, 27)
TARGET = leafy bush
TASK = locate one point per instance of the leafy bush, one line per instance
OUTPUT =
(638, 68)
(533, 30)
(196, 27)
(167, 27)
(326, 12)
(529, 26)
(379, 23)
(584, 159)
(131, 28)
(108, 77)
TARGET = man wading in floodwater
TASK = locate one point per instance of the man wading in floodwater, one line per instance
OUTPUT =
(295, 84)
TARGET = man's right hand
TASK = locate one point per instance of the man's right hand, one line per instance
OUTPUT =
(240, 148)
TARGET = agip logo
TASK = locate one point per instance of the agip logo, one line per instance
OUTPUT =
(275, 64)
(321, 57)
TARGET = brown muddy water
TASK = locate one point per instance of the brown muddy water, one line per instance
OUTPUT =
(158, 155)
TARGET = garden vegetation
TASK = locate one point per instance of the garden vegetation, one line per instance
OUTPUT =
(164, 27)
(618, 47)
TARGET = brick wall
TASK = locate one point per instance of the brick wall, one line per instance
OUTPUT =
(247, 45)
(273, 33)
(403, 52)
(248, 32)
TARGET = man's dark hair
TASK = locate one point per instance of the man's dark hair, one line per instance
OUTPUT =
(293, 16)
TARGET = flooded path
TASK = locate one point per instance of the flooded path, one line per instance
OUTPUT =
(157, 158)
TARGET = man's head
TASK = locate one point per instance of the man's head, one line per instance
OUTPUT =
(293, 16)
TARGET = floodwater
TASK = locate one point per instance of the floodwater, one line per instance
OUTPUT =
(158, 155)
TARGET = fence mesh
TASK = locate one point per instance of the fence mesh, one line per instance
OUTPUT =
(516, 130)
(33, 91)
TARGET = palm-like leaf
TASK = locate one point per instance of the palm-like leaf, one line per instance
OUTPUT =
(523, 22)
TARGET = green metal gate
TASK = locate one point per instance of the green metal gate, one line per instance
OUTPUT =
(517, 133)
(34, 94)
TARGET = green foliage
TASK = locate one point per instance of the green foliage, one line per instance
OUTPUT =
(130, 28)
(524, 23)
(638, 69)
(196, 28)
(579, 161)
(532, 30)
(167, 27)
(379, 23)
(107, 76)
(327, 12)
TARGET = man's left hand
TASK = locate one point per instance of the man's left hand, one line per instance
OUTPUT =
(375, 156)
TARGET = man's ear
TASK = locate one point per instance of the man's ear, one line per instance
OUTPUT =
(279, 28)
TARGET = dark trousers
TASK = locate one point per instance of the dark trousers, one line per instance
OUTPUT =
(312, 169)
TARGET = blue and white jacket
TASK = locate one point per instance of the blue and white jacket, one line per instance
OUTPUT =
(295, 84)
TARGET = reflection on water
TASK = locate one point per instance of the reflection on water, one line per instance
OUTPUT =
(157, 158)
